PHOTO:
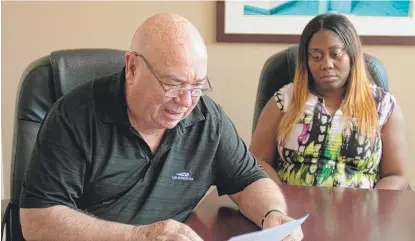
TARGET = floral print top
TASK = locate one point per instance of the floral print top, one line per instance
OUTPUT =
(320, 151)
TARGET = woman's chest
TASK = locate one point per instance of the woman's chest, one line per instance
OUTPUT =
(319, 135)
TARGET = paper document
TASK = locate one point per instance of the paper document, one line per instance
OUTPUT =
(272, 234)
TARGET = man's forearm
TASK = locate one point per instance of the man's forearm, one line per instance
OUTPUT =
(259, 198)
(63, 223)
(392, 182)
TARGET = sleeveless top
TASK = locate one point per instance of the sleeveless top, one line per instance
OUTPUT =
(320, 151)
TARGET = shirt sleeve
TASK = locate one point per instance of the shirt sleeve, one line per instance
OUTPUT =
(236, 166)
(385, 104)
(55, 173)
(283, 97)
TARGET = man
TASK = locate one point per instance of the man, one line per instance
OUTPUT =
(128, 156)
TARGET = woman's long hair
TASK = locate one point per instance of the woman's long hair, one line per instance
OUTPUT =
(359, 108)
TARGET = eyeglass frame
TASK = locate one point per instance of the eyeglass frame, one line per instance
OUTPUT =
(166, 90)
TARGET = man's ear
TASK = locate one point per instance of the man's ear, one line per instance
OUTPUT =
(131, 65)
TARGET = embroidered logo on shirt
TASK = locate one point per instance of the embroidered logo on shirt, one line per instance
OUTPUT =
(182, 176)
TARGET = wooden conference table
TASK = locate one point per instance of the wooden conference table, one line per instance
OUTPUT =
(335, 214)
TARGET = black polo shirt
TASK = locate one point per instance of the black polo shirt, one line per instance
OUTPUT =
(87, 156)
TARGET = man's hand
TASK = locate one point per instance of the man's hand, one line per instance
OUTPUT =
(170, 230)
(276, 218)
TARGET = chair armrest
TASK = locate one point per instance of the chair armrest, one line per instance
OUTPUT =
(4, 203)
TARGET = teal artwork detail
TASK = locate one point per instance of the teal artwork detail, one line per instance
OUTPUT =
(383, 8)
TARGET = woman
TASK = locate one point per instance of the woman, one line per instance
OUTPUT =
(332, 126)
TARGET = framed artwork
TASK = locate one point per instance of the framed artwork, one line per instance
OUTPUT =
(378, 22)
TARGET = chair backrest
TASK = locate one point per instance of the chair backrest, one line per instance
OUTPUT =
(279, 70)
(43, 82)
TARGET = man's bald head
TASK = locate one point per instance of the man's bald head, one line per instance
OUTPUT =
(169, 38)
(171, 52)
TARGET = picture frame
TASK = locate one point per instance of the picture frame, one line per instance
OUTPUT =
(233, 24)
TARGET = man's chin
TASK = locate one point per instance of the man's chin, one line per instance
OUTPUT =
(170, 124)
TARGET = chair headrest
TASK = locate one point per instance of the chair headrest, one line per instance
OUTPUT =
(48, 78)
(73, 67)
(279, 70)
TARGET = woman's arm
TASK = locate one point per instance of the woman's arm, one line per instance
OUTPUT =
(263, 141)
(395, 153)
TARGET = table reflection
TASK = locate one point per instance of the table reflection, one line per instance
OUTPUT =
(335, 214)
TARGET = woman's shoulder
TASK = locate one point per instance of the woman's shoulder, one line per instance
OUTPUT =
(286, 89)
(385, 103)
(380, 94)
(382, 97)
(283, 96)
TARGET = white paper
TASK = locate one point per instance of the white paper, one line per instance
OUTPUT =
(272, 234)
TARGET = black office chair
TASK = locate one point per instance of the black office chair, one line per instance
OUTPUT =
(279, 70)
(43, 82)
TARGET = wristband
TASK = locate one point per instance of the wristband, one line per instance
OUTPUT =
(270, 211)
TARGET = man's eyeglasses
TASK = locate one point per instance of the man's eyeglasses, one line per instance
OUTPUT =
(171, 90)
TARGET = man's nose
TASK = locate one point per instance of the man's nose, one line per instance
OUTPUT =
(185, 99)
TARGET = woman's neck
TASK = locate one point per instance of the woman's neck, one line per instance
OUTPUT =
(337, 94)
(332, 99)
